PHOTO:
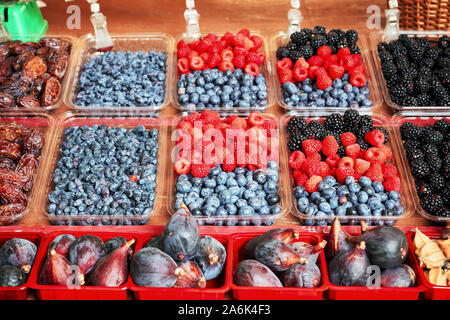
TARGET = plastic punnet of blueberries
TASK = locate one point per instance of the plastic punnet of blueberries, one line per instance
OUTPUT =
(105, 176)
(123, 79)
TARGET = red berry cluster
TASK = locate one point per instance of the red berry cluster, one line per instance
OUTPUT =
(324, 68)
(228, 52)
(257, 133)
(309, 170)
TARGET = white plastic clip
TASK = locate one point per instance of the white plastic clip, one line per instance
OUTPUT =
(392, 29)
(103, 41)
(295, 17)
(4, 34)
(192, 18)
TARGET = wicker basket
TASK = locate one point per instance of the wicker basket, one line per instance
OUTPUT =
(424, 14)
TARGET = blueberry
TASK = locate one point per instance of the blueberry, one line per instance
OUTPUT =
(275, 210)
(342, 200)
(210, 183)
(374, 203)
(340, 211)
(393, 195)
(354, 187)
(365, 182)
(213, 201)
(353, 198)
(253, 185)
(260, 177)
(311, 210)
(363, 209)
(323, 185)
(273, 199)
(369, 190)
(183, 186)
(377, 186)
(255, 203)
(264, 211)
(270, 187)
(398, 210)
(246, 211)
(363, 197)
(241, 203)
(241, 180)
(330, 180)
(206, 192)
(299, 191)
(325, 207)
(248, 194)
(302, 204)
(222, 178)
(329, 193)
(342, 191)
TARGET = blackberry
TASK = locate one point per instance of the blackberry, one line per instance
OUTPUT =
(295, 55)
(443, 212)
(443, 62)
(409, 101)
(444, 76)
(308, 33)
(409, 130)
(446, 161)
(299, 38)
(385, 56)
(309, 134)
(333, 37)
(434, 162)
(431, 136)
(445, 194)
(383, 46)
(439, 91)
(399, 91)
(341, 152)
(363, 144)
(444, 42)
(291, 46)
(430, 149)
(318, 41)
(423, 100)
(419, 168)
(307, 51)
(432, 203)
(386, 134)
(389, 70)
(296, 124)
(424, 43)
(422, 84)
(423, 189)
(294, 144)
(445, 171)
(354, 49)
(437, 182)
(442, 126)
(351, 36)
(432, 53)
(320, 30)
(334, 122)
(366, 121)
(282, 52)
(415, 154)
(426, 64)
(351, 118)
(315, 127)
(444, 148)
(416, 53)
(336, 135)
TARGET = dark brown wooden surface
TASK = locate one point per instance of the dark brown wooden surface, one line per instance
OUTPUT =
(267, 17)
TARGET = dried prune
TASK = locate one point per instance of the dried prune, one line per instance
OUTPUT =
(4, 51)
(189, 275)
(13, 177)
(11, 276)
(28, 102)
(38, 85)
(55, 43)
(27, 167)
(43, 52)
(16, 88)
(33, 68)
(51, 93)
(211, 257)
(7, 163)
(12, 194)
(6, 100)
(10, 150)
(6, 68)
(85, 252)
(277, 255)
(11, 209)
(251, 273)
(23, 47)
(61, 244)
(57, 63)
(19, 253)
(33, 142)
(11, 131)
(19, 61)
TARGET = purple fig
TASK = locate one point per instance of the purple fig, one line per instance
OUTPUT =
(286, 235)
(309, 251)
(19, 253)
(150, 267)
(401, 276)
(112, 269)
(350, 268)
(302, 276)
(112, 244)
(85, 252)
(61, 244)
(338, 240)
(211, 257)
(155, 242)
(277, 255)
(189, 275)
(252, 273)
(11, 276)
(181, 236)
(58, 271)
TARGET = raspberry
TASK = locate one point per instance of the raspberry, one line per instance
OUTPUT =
(324, 51)
(210, 117)
(183, 65)
(202, 46)
(314, 157)
(386, 151)
(315, 61)
(332, 161)
(244, 32)
(349, 63)
(357, 69)
(332, 60)
(296, 159)
(353, 150)
(323, 81)
(183, 52)
(257, 42)
(256, 119)
(192, 54)
(361, 166)
(205, 57)
(301, 63)
(200, 170)
(182, 44)
(344, 172)
(325, 169)
(348, 138)
(346, 162)
(312, 168)
(356, 59)
(239, 61)
(312, 72)
(336, 72)
(227, 55)
(239, 123)
(389, 170)
(300, 74)
(321, 71)
(285, 63)
(192, 117)
(358, 79)
(330, 146)
(226, 65)
(311, 146)
(392, 184)
(182, 166)
(313, 183)
(254, 57)
(375, 173)
(375, 138)
(374, 155)
(343, 52)
(242, 41)
(214, 60)
(285, 75)
(253, 69)
(193, 45)
(300, 177)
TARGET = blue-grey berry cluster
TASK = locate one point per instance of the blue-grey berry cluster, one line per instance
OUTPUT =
(108, 172)
(364, 198)
(213, 88)
(243, 197)
(123, 79)
(341, 94)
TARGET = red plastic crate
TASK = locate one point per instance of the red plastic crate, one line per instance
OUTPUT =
(85, 292)
(286, 293)
(382, 293)
(37, 237)
(215, 289)
(432, 291)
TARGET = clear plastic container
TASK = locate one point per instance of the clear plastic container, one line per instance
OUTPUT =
(159, 42)
(265, 69)
(70, 119)
(66, 79)
(397, 121)
(172, 176)
(376, 37)
(45, 123)
(280, 39)
(397, 159)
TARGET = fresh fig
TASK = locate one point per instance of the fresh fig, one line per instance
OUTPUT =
(386, 246)
(61, 244)
(402, 276)
(189, 275)
(19, 253)
(85, 252)
(309, 251)
(181, 236)
(58, 271)
(11, 276)
(277, 255)
(338, 240)
(112, 270)
(350, 268)
(150, 267)
(302, 276)
(211, 257)
(155, 242)
(112, 244)
(252, 273)
(286, 235)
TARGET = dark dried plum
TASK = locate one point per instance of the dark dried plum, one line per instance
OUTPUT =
(6, 100)
(24, 47)
(33, 68)
(251, 273)
(10, 131)
(286, 235)
(33, 142)
(38, 85)
(85, 252)
(55, 43)
(57, 63)
(7, 163)
(11, 276)
(211, 257)
(277, 255)
(19, 253)
(189, 275)
(150, 267)
(402, 276)
(16, 88)
(51, 92)
(28, 102)
(302, 276)
(61, 244)
(6, 68)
